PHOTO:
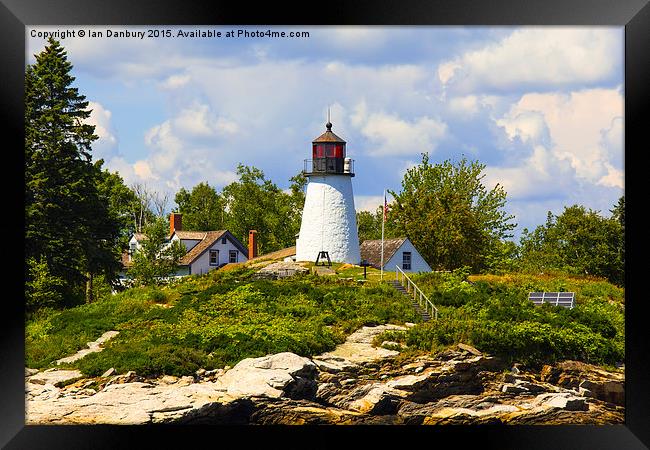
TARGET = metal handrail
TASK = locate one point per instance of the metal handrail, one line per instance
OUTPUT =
(416, 291)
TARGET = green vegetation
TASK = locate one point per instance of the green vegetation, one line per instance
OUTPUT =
(578, 241)
(69, 226)
(155, 259)
(78, 218)
(212, 320)
(202, 208)
(493, 313)
(449, 215)
(256, 203)
(220, 318)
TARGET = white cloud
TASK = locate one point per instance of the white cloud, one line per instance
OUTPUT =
(576, 124)
(142, 170)
(540, 176)
(175, 81)
(529, 126)
(368, 202)
(550, 56)
(392, 135)
(106, 146)
(464, 107)
(447, 70)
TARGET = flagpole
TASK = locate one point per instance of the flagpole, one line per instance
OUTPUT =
(383, 220)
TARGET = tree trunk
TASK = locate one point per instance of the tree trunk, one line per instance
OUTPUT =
(89, 288)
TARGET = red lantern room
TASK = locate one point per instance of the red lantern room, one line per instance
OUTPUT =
(328, 155)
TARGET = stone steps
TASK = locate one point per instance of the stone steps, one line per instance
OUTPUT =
(398, 286)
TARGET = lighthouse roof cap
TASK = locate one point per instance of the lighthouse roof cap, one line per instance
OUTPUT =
(328, 136)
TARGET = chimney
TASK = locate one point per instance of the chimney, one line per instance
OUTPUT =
(252, 244)
(175, 222)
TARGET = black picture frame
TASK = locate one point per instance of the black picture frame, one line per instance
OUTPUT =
(634, 15)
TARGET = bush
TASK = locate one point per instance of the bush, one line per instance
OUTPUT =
(216, 319)
(42, 289)
(495, 315)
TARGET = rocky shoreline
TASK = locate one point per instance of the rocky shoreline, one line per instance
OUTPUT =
(355, 384)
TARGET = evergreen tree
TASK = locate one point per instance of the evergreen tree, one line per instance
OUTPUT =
(67, 225)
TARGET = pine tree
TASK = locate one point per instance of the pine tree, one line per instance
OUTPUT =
(67, 225)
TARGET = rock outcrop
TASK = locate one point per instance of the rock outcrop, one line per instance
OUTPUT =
(355, 384)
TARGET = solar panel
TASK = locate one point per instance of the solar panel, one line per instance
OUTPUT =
(565, 299)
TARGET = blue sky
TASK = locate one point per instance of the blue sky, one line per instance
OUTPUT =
(542, 107)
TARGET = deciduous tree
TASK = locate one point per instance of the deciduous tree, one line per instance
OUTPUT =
(202, 208)
(449, 215)
(157, 258)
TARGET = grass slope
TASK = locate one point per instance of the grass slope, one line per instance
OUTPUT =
(220, 318)
(212, 320)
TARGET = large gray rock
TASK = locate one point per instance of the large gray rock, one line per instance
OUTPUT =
(55, 377)
(273, 376)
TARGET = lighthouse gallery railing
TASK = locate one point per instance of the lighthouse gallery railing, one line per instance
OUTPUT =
(418, 295)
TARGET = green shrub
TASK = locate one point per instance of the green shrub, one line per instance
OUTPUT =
(495, 315)
(215, 319)
(42, 289)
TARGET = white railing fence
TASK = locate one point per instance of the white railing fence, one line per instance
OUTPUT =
(418, 295)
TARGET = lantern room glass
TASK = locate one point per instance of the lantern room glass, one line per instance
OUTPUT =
(328, 151)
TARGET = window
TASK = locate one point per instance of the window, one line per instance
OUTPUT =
(319, 151)
(233, 256)
(214, 257)
(406, 260)
(132, 247)
(223, 240)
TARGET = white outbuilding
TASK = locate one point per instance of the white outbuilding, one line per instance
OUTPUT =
(397, 252)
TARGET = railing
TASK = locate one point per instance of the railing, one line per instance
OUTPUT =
(329, 165)
(418, 295)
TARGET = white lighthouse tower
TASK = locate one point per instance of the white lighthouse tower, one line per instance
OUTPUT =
(329, 222)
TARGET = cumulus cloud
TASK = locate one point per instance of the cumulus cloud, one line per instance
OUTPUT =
(529, 126)
(464, 107)
(368, 202)
(535, 104)
(175, 81)
(389, 134)
(539, 177)
(536, 57)
(576, 123)
(106, 146)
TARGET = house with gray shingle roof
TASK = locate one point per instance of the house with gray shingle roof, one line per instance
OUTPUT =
(206, 250)
(397, 252)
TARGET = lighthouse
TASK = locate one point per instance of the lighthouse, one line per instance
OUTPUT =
(329, 221)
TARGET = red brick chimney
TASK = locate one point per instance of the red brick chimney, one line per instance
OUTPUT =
(252, 244)
(175, 222)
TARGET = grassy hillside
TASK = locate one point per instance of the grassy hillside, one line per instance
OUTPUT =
(218, 319)
(494, 314)
(213, 320)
